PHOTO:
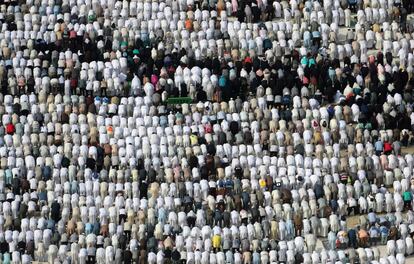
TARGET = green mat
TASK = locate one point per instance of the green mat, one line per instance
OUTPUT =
(179, 100)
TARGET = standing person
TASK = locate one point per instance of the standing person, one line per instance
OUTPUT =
(55, 211)
(352, 238)
(407, 197)
(403, 18)
(396, 146)
(379, 147)
(387, 148)
(352, 4)
(175, 256)
(332, 240)
(216, 242)
(21, 83)
(409, 5)
(91, 258)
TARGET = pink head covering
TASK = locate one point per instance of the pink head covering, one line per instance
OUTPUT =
(371, 59)
(154, 79)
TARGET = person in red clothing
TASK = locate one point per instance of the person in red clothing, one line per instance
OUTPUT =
(10, 129)
(387, 148)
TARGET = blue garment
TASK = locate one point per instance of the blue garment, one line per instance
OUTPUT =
(167, 61)
(245, 199)
(56, 10)
(222, 81)
(372, 218)
(229, 184)
(9, 63)
(97, 228)
(331, 111)
(74, 188)
(256, 258)
(163, 121)
(218, 216)
(88, 228)
(407, 196)
(357, 90)
(9, 176)
(309, 6)
(51, 224)
(144, 36)
(382, 219)
(46, 173)
(374, 232)
(290, 229)
(316, 34)
(229, 257)
(267, 44)
(311, 62)
(162, 215)
(95, 175)
(332, 240)
(331, 73)
(6, 258)
(221, 183)
(352, 237)
(364, 109)
(286, 99)
(334, 205)
(384, 231)
(304, 60)
(307, 41)
(391, 218)
(379, 146)
(98, 100)
(42, 196)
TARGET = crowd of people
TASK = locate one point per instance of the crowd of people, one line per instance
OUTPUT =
(300, 117)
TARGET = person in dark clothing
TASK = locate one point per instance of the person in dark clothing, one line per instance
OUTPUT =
(91, 259)
(4, 247)
(91, 163)
(16, 186)
(127, 257)
(175, 256)
(55, 211)
(319, 192)
(143, 190)
(298, 258)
